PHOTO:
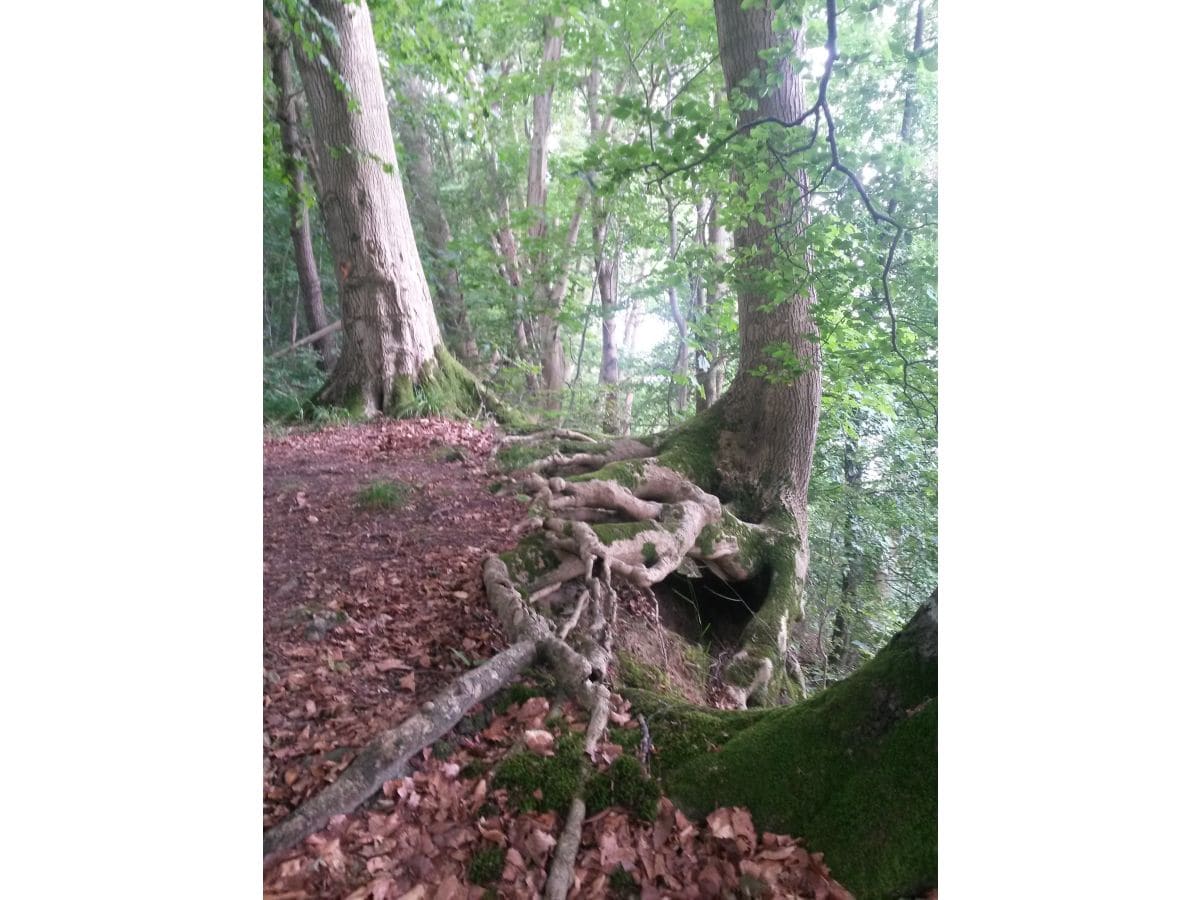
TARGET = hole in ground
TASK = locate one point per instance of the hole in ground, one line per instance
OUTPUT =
(709, 610)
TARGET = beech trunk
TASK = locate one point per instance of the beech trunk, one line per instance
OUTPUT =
(391, 331)
(770, 425)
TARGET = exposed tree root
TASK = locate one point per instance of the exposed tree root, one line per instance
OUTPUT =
(550, 434)
(385, 757)
(637, 518)
(634, 518)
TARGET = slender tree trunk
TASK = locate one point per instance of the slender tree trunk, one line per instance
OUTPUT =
(633, 319)
(606, 262)
(298, 222)
(537, 187)
(423, 193)
(712, 383)
(391, 332)
(852, 560)
(678, 391)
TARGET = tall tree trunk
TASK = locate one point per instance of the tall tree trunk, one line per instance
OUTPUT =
(391, 331)
(298, 222)
(771, 424)
(423, 193)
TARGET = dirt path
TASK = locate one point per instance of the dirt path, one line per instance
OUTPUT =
(369, 611)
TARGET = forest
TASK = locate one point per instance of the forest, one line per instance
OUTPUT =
(600, 448)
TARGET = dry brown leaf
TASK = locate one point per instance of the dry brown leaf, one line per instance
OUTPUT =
(539, 742)
(409, 682)
(388, 665)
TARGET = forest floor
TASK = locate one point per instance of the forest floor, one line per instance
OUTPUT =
(373, 601)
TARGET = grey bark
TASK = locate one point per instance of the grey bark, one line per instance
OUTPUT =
(298, 222)
(391, 330)
(537, 187)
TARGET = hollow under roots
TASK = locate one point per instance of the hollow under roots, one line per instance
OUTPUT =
(628, 516)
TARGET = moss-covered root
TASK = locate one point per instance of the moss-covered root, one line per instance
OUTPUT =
(853, 771)
(759, 673)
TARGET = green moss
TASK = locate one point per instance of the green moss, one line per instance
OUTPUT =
(627, 472)
(384, 495)
(649, 553)
(692, 447)
(476, 768)
(486, 866)
(623, 785)
(634, 674)
(445, 387)
(854, 771)
(518, 456)
(681, 732)
(443, 750)
(558, 777)
(622, 885)
(529, 559)
(612, 532)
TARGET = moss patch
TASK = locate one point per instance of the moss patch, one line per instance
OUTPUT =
(623, 785)
(558, 778)
(446, 387)
(612, 532)
(627, 473)
(529, 559)
(691, 448)
(632, 673)
(854, 771)
(622, 885)
(486, 866)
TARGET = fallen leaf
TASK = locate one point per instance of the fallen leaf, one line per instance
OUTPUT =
(409, 682)
(388, 665)
(539, 741)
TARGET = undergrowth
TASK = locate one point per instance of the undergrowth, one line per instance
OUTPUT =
(384, 495)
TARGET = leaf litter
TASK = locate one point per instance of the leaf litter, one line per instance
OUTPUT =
(367, 613)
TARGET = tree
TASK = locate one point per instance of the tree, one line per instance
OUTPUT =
(393, 346)
(293, 163)
(721, 502)
(429, 213)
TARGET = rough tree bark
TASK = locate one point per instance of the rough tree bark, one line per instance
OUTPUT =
(424, 196)
(393, 345)
(301, 232)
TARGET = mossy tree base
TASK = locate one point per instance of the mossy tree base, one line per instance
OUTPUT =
(853, 771)
(444, 387)
(615, 509)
